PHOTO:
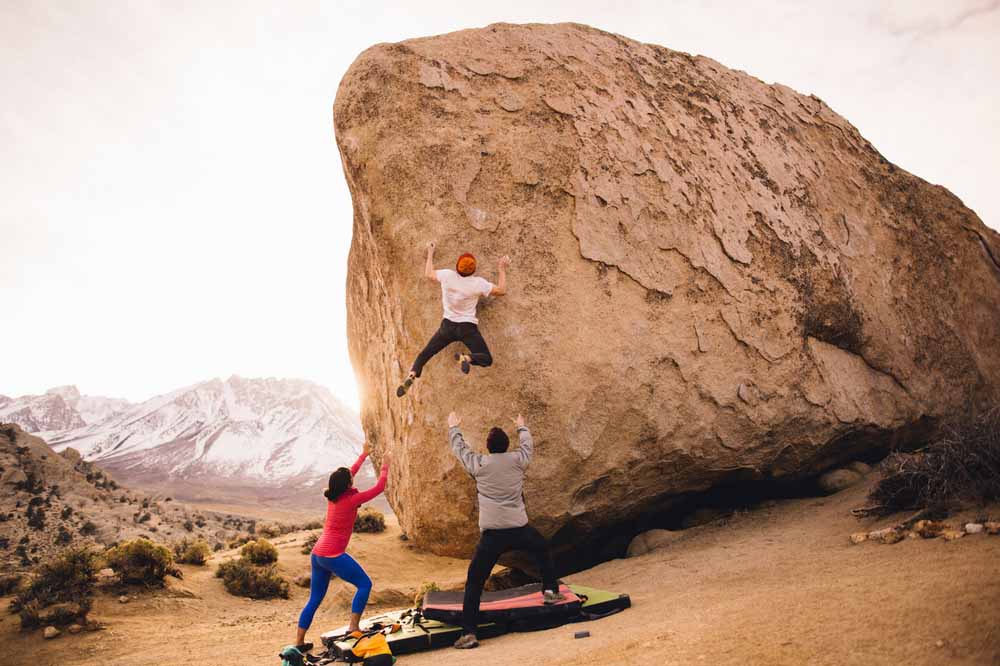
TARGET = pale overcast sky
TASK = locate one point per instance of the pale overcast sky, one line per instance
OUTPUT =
(173, 207)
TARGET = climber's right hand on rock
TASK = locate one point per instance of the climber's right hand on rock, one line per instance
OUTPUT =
(454, 420)
(431, 245)
(504, 261)
(519, 421)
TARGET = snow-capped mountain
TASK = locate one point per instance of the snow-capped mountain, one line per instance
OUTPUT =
(262, 431)
(58, 409)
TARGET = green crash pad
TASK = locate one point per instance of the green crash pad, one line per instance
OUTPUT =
(417, 633)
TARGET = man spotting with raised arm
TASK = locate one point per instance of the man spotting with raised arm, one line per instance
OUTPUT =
(503, 520)
(460, 294)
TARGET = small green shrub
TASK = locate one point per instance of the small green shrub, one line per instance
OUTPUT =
(238, 541)
(36, 517)
(259, 552)
(141, 561)
(269, 530)
(68, 580)
(370, 521)
(312, 525)
(243, 579)
(191, 552)
(425, 587)
(310, 541)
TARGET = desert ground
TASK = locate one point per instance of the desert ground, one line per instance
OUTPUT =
(777, 585)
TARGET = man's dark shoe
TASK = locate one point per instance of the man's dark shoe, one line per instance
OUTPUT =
(550, 597)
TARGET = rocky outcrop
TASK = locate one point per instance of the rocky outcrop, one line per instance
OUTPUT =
(713, 278)
(49, 501)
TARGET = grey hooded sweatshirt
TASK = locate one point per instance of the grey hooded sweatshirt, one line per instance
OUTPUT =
(499, 480)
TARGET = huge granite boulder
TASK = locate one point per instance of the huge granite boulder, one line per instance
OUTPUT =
(714, 279)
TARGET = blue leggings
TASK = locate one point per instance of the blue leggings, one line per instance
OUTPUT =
(343, 567)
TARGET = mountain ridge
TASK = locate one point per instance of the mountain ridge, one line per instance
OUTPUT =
(261, 432)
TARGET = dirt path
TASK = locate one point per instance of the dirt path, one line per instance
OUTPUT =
(780, 585)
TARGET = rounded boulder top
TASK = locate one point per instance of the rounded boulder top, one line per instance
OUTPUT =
(712, 278)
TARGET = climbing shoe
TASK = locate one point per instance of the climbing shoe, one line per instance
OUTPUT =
(466, 642)
(405, 386)
(465, 362)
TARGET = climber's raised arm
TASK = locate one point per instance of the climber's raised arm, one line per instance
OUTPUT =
(500, 288)
(429, 271)
(470, 460)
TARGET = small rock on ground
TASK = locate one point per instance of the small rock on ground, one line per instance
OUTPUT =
(973, 528)
(50, 632)
(837, 480)
(74, 628)
(651, 540)
(123, 599)
(894, 536)
(928, 529)
(860, 467)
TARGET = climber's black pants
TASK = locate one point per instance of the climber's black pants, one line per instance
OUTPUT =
(450, 331)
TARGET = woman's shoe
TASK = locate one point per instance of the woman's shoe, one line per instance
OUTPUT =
(466, 362)
(466, 642)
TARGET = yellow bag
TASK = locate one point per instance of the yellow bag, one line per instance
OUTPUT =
(369, 646)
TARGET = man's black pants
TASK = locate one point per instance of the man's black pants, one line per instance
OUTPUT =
(465, 332)
(492, 544)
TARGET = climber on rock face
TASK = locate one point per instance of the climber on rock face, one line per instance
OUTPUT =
(503, 520)
(460, 293)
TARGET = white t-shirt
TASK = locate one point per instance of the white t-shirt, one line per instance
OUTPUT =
(460, 295)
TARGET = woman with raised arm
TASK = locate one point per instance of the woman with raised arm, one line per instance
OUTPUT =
(329, 555)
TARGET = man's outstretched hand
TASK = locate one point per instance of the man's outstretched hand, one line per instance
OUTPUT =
(454, 420)
(504, 261)
(519, 421)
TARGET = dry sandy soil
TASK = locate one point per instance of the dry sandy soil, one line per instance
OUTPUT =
(779, 585)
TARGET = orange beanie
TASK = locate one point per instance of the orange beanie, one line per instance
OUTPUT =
(466, 265)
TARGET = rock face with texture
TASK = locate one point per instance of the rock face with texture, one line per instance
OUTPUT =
(714, 279)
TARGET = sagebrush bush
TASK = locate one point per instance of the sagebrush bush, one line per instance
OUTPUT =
(244, 579)
(69, 578)
(10, 583)
(141, 561)
(370, 521)
(961, 465)
(238, 541)
(312, 525)
(191, 552)
(259, 552)
(310, 541)
(425, 587)
(269, 530)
